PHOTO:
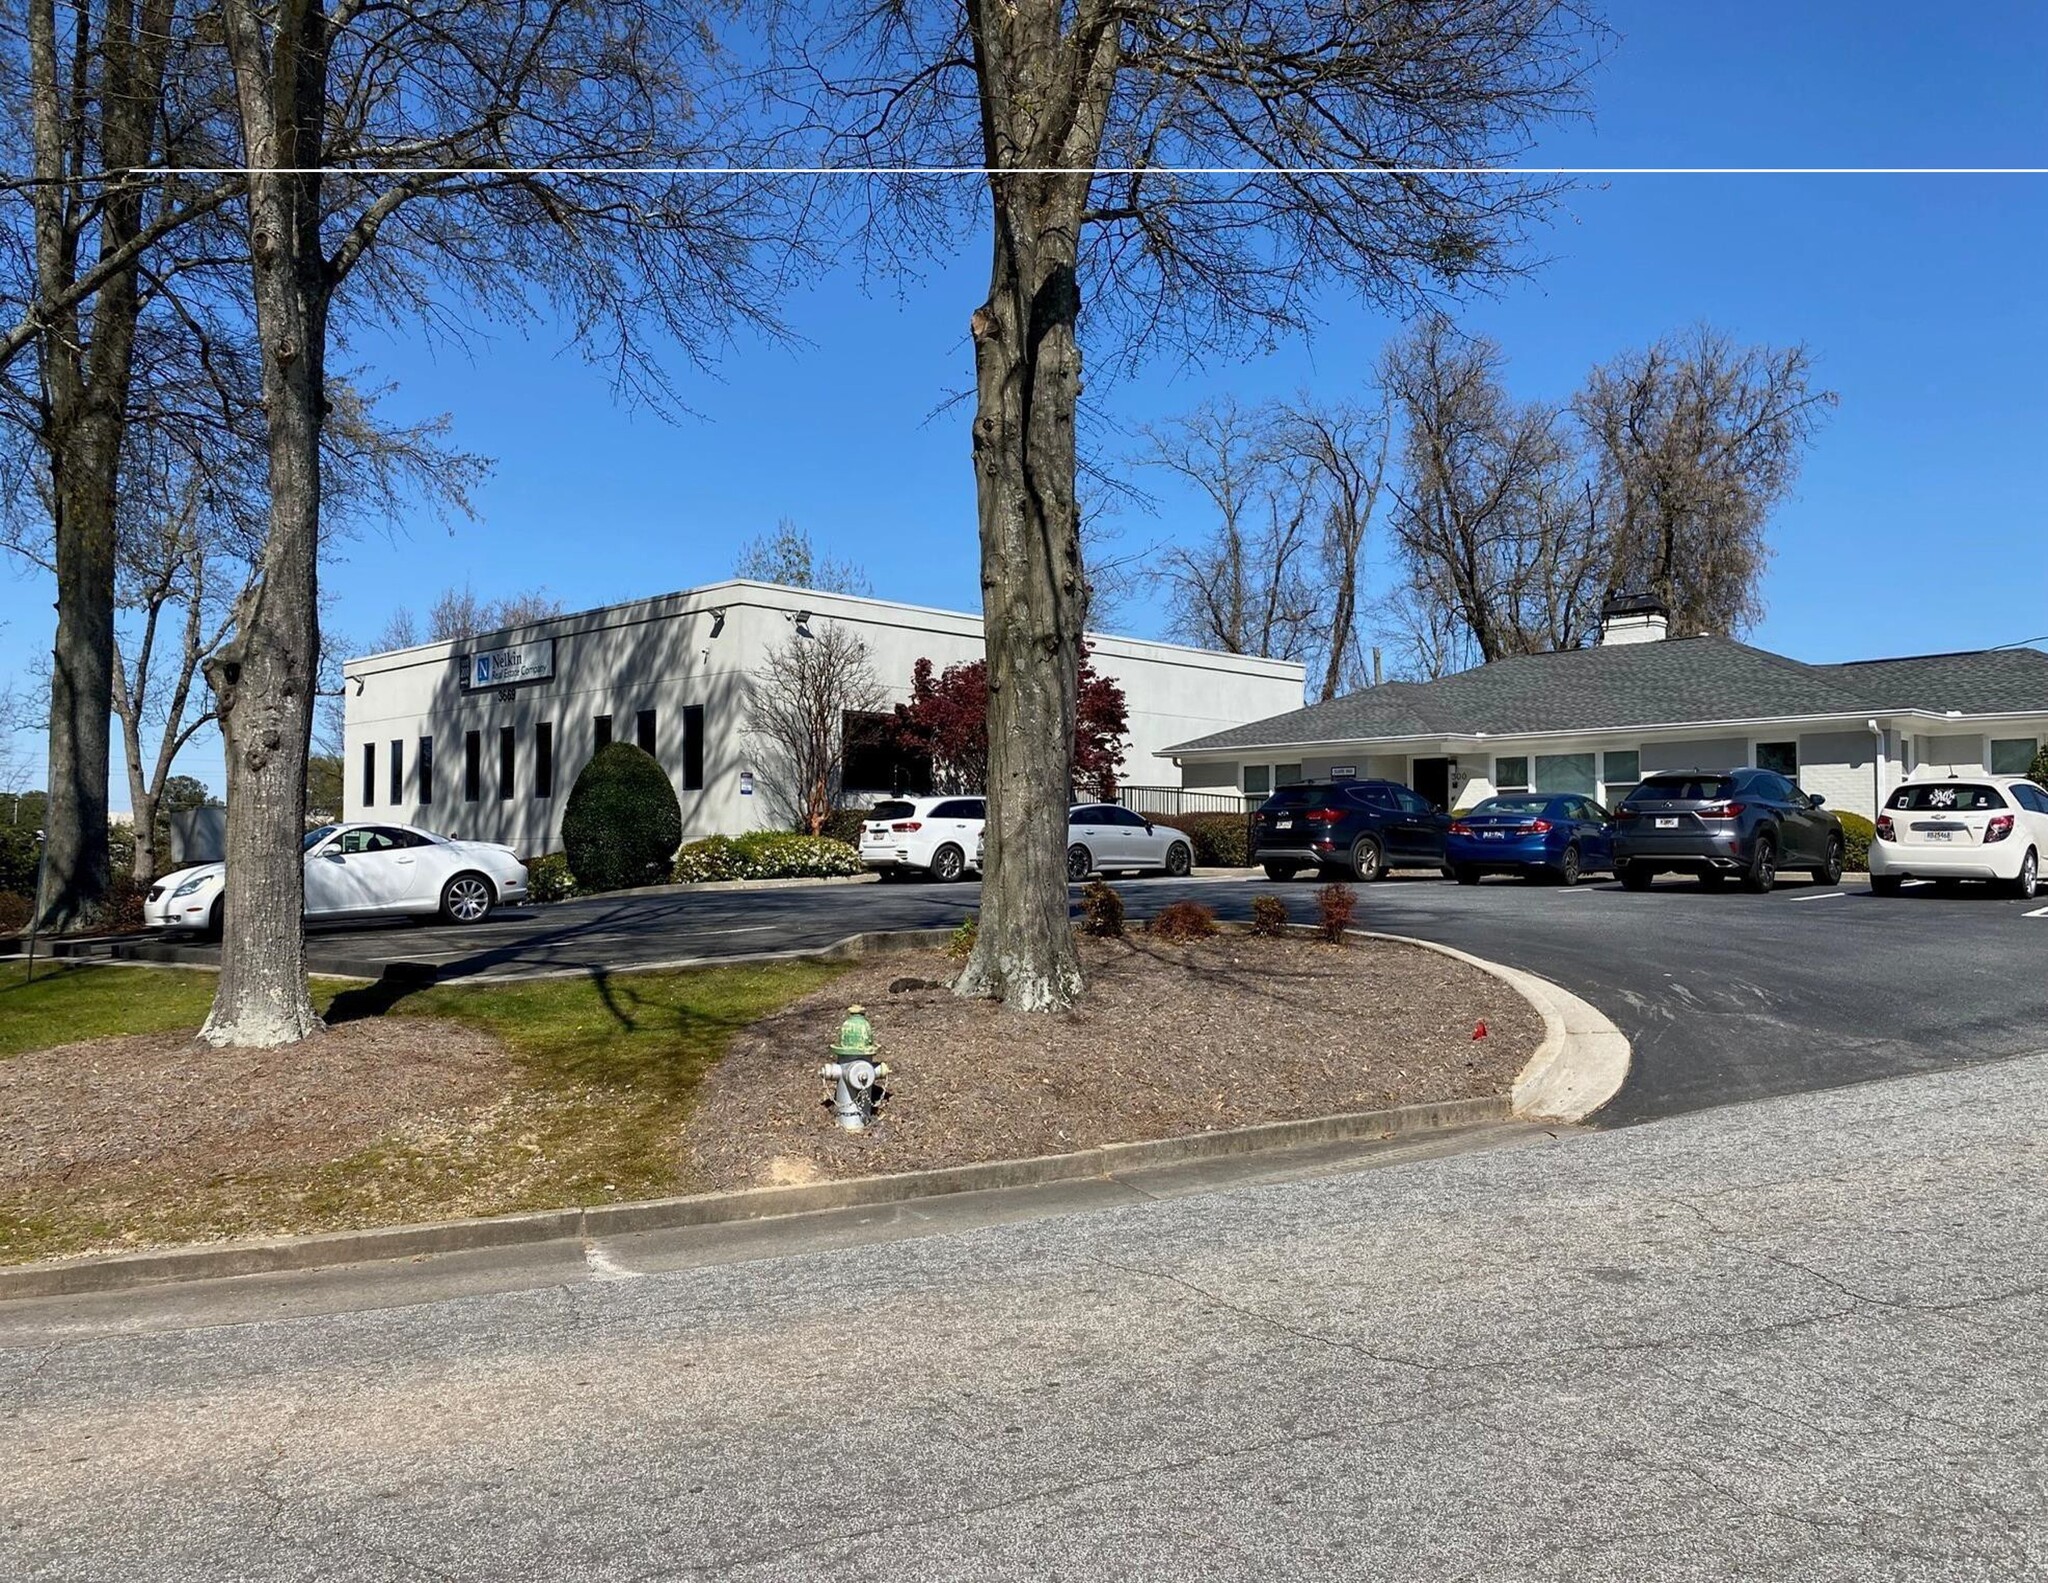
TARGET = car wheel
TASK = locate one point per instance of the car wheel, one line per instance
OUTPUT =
(2027, 880)
(1465, 874)
(1179, 860)
(1280, 873)
(1830, 872)
(1886, 884)
(1368, 861)
(948, 864)
(1078, 863)
(1762, 872)
(1633, 876)
(216, 920)
(467, 898)
(1568, 867)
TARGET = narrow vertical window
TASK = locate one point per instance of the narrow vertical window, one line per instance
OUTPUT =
(426, 769)
(506, 752)
(369, 774)
(604, 731)
(397, 773)
(543, 760)
(693, 747)
(643, 727)
(472, 766)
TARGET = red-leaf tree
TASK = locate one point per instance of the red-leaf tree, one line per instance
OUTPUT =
(946, 721)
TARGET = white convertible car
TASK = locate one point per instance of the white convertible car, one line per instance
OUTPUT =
(362, 871)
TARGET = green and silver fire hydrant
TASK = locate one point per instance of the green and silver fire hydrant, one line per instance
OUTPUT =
(853, 1072)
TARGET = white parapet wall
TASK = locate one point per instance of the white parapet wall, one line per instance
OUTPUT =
(690, 660)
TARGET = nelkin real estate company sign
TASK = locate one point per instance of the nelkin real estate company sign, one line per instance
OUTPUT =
(524, 662)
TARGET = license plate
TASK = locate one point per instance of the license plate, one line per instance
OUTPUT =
(1493, 835)
(1667, 824)
(1941, 835)
(1283, 824)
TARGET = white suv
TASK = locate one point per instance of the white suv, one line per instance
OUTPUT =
(1991, 827)
(939, 836)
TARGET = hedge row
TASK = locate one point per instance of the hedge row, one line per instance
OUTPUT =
(1857, 834)
(1220, 840)
(764, 854)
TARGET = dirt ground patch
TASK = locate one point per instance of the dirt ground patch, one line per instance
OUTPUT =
(1171, 1040)
(166, 1103)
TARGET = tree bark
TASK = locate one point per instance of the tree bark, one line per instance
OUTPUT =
(1045, 96)
(265, 677)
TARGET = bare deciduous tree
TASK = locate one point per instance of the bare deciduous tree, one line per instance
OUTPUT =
(797, 713)
(1697, 440)
(787, 556)
(1342, 453)
(459, 104)
(1085, 116)
(458, 613)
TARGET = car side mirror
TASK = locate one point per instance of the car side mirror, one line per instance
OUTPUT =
(1148, 827)
(332, 854)
(1815, 798)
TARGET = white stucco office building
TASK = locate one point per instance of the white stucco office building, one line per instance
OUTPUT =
(1596, 720)
(483, 738)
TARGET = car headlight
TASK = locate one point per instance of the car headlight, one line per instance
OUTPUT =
(190, 885)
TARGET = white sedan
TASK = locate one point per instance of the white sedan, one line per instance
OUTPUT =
(362, 871)
(1103, 837)
(1993, 828)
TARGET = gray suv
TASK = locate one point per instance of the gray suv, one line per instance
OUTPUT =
(1746, 824)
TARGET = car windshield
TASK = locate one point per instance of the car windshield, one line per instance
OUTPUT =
(1684, 788)
(1946, 797)
(891, 810)
(1517, 805)
(315, 837)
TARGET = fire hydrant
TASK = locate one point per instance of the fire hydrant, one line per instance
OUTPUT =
(854, 1072)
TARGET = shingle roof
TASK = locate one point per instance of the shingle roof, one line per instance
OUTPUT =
(1680, 680)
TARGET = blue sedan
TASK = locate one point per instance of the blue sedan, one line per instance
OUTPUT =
(1561, 836)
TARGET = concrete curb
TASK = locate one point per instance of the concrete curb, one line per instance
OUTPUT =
(74, 1277)
(1578, 1066)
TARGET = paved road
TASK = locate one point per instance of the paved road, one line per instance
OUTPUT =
(1803, 1339)
(1725, 996)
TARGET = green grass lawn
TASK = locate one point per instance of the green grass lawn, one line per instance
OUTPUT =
(606, 1076)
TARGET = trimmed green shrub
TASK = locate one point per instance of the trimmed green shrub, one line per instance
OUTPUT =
(1183, 920)
(548, 878)
(13, 913)
(623, 823)
(2038, 774)
(1102, 912)
(1220, 840)
(1269, 916)
(843, 824)
(1857, 833)
(960, 943)
(764, 854)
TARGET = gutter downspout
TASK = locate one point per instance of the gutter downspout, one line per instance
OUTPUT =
(1876, 770)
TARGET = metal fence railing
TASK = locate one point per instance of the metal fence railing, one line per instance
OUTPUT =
(1170, 800)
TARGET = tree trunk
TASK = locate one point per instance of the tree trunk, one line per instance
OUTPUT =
(1028, 382)
(84, 471)
(264, 678)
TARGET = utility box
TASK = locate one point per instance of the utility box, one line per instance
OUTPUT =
(199, 835)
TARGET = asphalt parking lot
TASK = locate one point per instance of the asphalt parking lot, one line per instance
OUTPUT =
(1725, 996)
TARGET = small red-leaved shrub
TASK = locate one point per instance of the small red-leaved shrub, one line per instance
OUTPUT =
(1102, 912)
(1182, 920)
(1334, 906)
(1269, 916)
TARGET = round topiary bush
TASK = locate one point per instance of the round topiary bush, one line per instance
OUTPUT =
(623, 822)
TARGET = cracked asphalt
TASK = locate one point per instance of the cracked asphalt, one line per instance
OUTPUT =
(1797, 1339)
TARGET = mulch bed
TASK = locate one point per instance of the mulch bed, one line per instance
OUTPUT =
(167, 1106)
(1171, 1039)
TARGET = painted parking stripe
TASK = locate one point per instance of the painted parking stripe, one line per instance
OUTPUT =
(2038, 912)
(1820, 895)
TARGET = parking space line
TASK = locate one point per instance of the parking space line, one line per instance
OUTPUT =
(2038, 912)
(1819, 895)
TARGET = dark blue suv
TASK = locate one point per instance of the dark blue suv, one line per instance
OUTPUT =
(1357, 829)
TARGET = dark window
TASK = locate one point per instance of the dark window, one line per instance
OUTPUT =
(693, 745)
(369, 774)
(2032, 797)
(1297, 797)
(426, 769)
(875, 759)
(543, 760)
(472, 765)
(1128, 819)
(1780, 758)
(1514, 805)
(1413, 802)
(958, 808)
(1946, 797)
(397, 773)
(892, 810)
(604, 731)
(643, 730)
(508, 751)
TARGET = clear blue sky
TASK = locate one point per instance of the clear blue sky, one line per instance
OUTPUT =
(1917, 525)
